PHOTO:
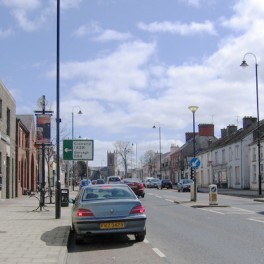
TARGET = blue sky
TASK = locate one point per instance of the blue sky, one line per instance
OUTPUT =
(130, 64)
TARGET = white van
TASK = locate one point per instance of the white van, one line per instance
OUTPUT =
(113, 179)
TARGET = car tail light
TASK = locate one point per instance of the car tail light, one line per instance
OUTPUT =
(138, 210)
(84, 212)
(141, 185)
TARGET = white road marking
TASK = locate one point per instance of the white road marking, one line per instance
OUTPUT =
(146, 241)
(256, 220)
(158, 252)
(212, 211)
(158, 196)
(169, 200)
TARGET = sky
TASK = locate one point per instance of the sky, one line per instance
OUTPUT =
(128, 65)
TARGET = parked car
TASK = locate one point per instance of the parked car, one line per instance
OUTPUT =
(84, 182)
(113, 179)
(153, 183)
(166, 183)
(184, 185)
(107, 209)
(136, 185)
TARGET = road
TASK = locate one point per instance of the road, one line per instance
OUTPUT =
(178, 233)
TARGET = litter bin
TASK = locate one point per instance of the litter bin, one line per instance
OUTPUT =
(213, 194)
(64, 197)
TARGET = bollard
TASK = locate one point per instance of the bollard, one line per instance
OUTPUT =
(213, 194)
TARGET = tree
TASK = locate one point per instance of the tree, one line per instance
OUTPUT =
(123, 149)
(149, 159)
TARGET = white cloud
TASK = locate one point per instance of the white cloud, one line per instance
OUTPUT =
(26, 5)
(97, 33)
(179, 28)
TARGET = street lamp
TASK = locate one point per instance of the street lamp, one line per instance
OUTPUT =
(193, 109)
(244, 64)
(79, 113)
(154, 126)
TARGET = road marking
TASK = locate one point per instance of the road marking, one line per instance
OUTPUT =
(158, 252)
(169, 200)
(158, 196)
(256, 220)
(212, 211)
(146, 241)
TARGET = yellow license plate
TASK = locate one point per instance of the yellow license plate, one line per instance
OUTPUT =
(112, 225)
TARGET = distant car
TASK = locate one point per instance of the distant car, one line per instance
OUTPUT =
(100, 181)
(184, 185)
(107, 209)
(165, 183)
(84, 183)
(136, 185)
(113, 179)
(153, 183)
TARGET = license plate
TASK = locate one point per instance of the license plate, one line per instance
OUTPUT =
(112, 225)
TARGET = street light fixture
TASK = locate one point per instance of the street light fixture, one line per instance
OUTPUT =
(154, 126)
(79, 113)
(244, 64)
(193, 109)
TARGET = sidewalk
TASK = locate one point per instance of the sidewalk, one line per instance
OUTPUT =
(29, 236)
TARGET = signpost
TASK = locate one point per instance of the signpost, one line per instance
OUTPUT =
(78, 149)
(195, 163)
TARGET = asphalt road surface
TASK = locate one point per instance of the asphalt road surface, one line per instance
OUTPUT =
(178, 233)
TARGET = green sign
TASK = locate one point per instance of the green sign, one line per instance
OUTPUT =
(78, 149)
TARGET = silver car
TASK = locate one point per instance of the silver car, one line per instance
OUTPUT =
(107, 209)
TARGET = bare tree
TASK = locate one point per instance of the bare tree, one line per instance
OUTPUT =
(123, 150)
(149, 159)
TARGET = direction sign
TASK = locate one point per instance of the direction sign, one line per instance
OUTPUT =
(81, 149)
(195, 163)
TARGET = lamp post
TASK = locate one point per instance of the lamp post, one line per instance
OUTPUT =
(244, 64)
(79, 113)
(58, 119)
(154, 126)
(193, 109)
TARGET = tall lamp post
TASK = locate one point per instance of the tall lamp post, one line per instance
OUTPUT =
(193, 109)
(154, 126)
(244, 64)
(79, 113)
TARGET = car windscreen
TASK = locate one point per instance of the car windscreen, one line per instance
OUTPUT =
(107, 192)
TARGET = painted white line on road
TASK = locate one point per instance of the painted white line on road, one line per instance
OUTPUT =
(212, 211)
(158, 252)
(256, 220)
(158, 196)
(169, 200)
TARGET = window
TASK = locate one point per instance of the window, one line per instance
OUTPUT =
(230, 153)
(223, 156)
(216, 157)
(254, 154)
(237, 152)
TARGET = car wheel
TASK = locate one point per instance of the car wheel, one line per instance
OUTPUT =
(140, 236)
(143, 195)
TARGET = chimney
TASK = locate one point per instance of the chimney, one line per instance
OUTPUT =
(231, 129)
(223, 132)
(248, 121)
(206, 130)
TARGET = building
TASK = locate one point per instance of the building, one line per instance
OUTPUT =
(7, 144)
(26, 155)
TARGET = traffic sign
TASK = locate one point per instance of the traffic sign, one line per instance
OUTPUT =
(195, 163)
(78, 149)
